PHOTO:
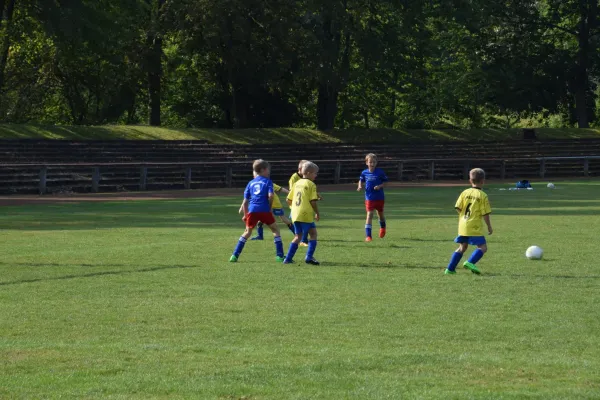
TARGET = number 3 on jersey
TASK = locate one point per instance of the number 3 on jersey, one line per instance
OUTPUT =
(299, 199)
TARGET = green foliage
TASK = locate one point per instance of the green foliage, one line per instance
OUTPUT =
(309, 63)
(137, 300)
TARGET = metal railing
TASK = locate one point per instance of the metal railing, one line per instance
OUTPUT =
(224, 171)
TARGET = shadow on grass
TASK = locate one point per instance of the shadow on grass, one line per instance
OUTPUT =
(94, 274)
(519, 276)
(390, 265)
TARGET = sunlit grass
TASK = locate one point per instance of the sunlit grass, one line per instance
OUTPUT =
(137, 300)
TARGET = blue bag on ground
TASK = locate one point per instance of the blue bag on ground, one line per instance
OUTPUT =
(524, 184)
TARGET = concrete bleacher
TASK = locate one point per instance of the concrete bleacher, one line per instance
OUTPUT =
(116, 165)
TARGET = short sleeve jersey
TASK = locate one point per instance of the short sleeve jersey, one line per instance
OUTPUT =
(372, 179)
(303, 192)
(293, 179)
(472, 204)
(276, 201)
(257, 193)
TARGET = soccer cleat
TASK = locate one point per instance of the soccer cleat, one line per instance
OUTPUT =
(288, 262)
(257, 238)
(382, 233)
(448, 272)
(312, 261)
(279, 259)
(472, 267)
(368, 239)
(302, 244)
(233, 259)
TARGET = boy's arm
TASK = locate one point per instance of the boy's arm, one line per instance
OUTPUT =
(284, 190)
(271, 196)
(380, 186)
(313, 203)
(486, 218)
(358, 189)
(245, 208)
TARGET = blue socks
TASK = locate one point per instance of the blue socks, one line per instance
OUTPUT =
(382, 223)
(368, 229)
(278, 246)
(260, 231)
(312, 246)
(456, 256)
(239, 247)
(476, 256)
(291, 252)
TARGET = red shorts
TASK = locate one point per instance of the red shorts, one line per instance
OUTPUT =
(254, 218)
(371, 205)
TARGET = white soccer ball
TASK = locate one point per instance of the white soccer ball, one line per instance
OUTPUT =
(551, 185)
(534, 253)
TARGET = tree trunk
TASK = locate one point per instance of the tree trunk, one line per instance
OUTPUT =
(6, 9)
(154, 65)
(326, 107)
(582, 78)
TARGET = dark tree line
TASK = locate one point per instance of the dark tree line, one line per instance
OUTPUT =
(323, 63)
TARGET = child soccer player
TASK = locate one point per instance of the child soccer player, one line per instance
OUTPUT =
(293, 179)
(374, 179)
(472, 205)
(303, 200)
(258, 198)
(277, 211)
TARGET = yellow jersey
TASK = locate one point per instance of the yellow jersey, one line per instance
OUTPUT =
(472, 205)
(276, 202)
(293, 179)
(303, 192)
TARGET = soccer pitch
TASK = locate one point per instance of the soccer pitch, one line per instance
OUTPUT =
(136, 299)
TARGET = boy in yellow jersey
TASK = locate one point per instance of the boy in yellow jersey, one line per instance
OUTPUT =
(293, 179)
(472, 205)
(303, 199)
(277, 209)
(297, 175)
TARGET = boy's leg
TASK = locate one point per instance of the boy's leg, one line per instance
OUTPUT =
(294, 244)
(304, 242)
(455, 258)
(240, 244)
(312, 246)
(474, 258)
(259, 232)
(289, 224)
(369, 226)
(382, 225)
(278, 243)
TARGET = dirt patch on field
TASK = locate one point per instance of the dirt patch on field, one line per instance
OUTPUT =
(181, 194)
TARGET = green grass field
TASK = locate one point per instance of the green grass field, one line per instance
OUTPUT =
(137, 300)
(279, 135)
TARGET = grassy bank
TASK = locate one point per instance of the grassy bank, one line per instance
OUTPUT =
(279, 135)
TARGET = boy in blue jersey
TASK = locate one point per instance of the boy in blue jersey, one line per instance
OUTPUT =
(258, 199)
(472, 206)
(374, 180)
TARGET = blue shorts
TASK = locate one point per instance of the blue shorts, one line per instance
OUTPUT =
(301, 227)
(278, 212)
(472, 240)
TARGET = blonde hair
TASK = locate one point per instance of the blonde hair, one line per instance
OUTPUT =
(301, 163)
(477, 175)
(259, 165)
(371, 156)
(309, 166)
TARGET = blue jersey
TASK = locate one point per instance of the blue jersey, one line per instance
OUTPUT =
(257, 193)
(372, 179)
